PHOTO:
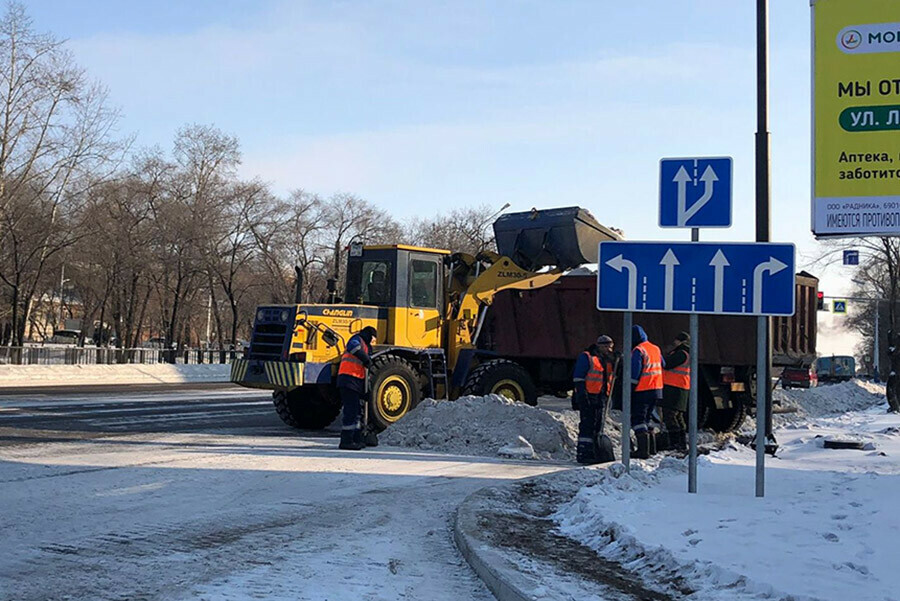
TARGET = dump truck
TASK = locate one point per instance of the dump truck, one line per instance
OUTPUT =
(429, 307)
(544, 330)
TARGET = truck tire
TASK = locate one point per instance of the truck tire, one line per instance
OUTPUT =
(503, 377)
(311, 407)
(727, 420)
(395, 390)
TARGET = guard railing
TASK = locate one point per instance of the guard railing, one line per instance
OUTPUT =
(50, 355)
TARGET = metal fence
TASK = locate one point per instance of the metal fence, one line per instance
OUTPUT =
(49, 355)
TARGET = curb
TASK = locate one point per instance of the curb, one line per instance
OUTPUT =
(481, 558)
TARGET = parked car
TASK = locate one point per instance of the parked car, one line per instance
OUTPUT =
(68, 338)
(799, 377)
(836, 368)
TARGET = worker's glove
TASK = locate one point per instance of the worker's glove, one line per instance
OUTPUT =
(578, 397)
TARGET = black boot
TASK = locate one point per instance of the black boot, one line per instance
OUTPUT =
(643, 445)
(663, 441)
(584, 453)
(369, 439)
(651, 447)
(678, 440)
(351, 441)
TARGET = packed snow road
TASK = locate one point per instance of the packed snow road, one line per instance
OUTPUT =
(201, 493)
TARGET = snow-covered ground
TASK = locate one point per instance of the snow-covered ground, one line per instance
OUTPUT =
(198, 516)
(828, 527)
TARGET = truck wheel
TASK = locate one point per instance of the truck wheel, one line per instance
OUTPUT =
(727, 420)
(503, 377)
(395, 390)
(310, 407)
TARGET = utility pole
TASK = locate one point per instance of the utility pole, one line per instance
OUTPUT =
(62, 283)
(763, 191)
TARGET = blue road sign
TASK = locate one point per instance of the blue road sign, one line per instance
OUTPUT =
(839, 307)
(696, 277)
(695, 192)
(851, 257)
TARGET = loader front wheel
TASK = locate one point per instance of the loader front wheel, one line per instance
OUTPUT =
(310, 407)
(503, 377)
(395, 390)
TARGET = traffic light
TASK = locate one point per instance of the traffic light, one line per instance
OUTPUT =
(821, 303)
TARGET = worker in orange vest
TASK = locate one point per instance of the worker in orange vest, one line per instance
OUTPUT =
(647, 388)
(592, 379)
(676, 392)
(351, 383)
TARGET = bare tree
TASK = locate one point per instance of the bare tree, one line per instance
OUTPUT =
(54, 142)
(466, 230)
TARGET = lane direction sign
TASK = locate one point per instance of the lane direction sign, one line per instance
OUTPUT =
(851, 257)
(696, 277)
(695, 192)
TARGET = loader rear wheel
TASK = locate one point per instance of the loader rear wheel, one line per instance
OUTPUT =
(503, 377)
(311, 407)
(395, 390)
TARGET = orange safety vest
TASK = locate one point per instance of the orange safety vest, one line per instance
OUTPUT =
(593, 381)
(651, 367)
(351, 365)
(679, 377)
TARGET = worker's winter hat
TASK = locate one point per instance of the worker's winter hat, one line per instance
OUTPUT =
(683, 337)
(604, 339)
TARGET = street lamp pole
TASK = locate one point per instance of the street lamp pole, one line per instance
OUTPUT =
(876, 364)
(763, 196)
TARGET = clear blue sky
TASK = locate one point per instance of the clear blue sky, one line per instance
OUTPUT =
(420, 106)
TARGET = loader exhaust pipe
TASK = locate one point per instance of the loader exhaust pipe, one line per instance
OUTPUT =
(298, 285)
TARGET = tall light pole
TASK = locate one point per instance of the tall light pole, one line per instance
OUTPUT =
(763, 197)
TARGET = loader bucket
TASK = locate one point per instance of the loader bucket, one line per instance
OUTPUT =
(563, 238)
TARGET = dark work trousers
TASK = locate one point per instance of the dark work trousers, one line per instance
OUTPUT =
(642, 405)
(674, 419)
(592, 414)
(352, 401)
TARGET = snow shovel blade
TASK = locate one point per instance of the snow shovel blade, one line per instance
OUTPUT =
(605, 453)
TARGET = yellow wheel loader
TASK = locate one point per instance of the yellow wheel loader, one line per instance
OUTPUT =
(428, 306)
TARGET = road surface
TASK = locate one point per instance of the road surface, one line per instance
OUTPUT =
(199, 492)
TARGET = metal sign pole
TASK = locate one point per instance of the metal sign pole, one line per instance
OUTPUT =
(761, 386)
(692, 406)
(626, 390)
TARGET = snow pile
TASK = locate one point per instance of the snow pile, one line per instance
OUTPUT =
(853, 395)
(826, 530)
(474, 425)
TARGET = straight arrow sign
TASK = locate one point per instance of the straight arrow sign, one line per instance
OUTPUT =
(681, 179)
(669, 260)
(719, 263)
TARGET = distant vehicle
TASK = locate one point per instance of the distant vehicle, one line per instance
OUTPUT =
(836, 368)
(157, 342)
(799, 377)
(68, 338)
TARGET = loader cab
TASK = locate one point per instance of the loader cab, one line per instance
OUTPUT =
(408, 282)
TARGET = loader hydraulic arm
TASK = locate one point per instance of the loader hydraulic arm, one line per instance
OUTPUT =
(467, 316)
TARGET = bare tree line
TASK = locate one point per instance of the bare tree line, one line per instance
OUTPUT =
(173, 245)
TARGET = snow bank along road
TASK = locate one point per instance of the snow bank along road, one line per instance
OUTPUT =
(200, 493)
